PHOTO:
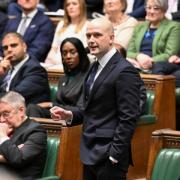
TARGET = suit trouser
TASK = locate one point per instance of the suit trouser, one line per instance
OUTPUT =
(166, 68)
(105, 171)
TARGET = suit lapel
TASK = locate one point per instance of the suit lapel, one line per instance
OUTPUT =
(18, 76)
(31, 26)
(158, 35)
(103, 75)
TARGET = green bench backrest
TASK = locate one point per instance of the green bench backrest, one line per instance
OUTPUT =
(148, 117)
(167, 165)
(52, 152)
(53, 91)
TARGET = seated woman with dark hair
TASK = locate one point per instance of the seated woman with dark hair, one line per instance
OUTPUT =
(70, 87)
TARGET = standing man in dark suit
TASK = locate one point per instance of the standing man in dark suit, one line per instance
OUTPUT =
(21, 72)
(22, 141)
(111, 108)
(35, 27)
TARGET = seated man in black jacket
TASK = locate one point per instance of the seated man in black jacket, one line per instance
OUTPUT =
(23, 141)
(21, 72)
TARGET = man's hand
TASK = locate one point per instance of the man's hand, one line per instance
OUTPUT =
(5, 64)
(58, 113)
(4, 130)
(174, 59)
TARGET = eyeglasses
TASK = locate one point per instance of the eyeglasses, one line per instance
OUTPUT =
(5, 115)
(71, 52)
(155, 8)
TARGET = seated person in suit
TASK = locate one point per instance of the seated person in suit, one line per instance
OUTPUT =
(154, 40)
(173, 11)
(94, 6)
(35, 27)
(136, 8)
(21, 72)
(22, 141)
(70, 87)
(73, 25)
(3, 20)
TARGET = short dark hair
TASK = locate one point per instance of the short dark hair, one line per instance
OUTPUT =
(83, 58)
(19, 36)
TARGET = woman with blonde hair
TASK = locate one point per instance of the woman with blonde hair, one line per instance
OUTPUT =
(73, 25)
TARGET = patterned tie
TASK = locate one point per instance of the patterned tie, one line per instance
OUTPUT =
(91, 77)
(23, 27)
(6, 79)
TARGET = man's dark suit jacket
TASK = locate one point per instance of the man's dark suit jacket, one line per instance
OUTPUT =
(138, 9)
(176, 15)
(29, 161)
(38, 36)
(31, 81)
(3, 21)
(110, 113)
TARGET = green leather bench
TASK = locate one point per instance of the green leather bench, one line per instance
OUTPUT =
(167, 165)
(49, 172)
(164, 156)
(148, 116)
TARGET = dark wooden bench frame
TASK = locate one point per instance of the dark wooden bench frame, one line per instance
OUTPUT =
(68, 164)
(164, 109)
(163, 138)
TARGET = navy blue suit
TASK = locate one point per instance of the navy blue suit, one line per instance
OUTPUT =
(3, 21)
(31, 81)
(109, 114)
(138, 9)
(38, 36)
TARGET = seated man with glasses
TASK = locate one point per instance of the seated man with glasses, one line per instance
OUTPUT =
(22, 140)
(154, 40)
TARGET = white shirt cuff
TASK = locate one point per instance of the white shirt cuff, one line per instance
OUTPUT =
(113, 160)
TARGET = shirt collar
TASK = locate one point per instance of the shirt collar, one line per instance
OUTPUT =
(104, 60)
(31, 14)
(17, 66)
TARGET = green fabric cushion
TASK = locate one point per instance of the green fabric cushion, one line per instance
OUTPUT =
(52, 152)
(53, 91)
(148, 117)
(167, 165)
(177, 96)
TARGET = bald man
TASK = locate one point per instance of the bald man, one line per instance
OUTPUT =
(111, 108)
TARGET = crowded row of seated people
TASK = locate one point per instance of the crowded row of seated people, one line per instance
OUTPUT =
(152, 46)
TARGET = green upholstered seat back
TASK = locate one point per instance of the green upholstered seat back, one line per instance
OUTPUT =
(52, 152)
(148, 116)
(167, 165)
(53, 91)
(177, 96)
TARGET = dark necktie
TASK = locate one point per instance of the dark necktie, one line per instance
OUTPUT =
(6, 79)
(91, 77)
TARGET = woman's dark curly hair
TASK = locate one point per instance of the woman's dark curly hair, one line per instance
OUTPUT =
(83, 58)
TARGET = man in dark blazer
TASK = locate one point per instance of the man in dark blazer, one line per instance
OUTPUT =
(22, 141)
(111, 108)
(138, 10)
(39, 32)
(27, 76)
